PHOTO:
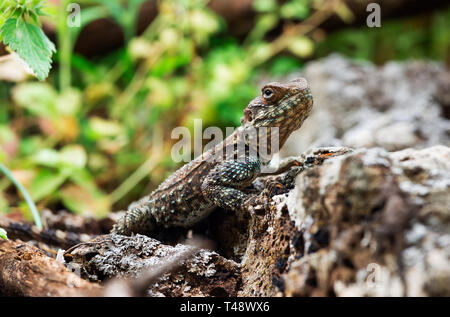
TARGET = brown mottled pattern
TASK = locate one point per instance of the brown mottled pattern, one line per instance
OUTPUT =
(193, 191)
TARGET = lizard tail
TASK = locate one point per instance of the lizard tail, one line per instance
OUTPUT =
(26, 232)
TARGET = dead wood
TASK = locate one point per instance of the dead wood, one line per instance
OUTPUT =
(177, 270)
(27, 271)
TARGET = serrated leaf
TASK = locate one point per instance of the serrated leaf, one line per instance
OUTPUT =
(30, 43)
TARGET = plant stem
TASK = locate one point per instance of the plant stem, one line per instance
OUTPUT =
(30, 203)
(303, 28)
(65, 48)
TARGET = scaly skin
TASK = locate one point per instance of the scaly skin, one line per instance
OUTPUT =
(192, 192)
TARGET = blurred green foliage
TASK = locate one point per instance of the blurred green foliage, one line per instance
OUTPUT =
(417, 37)
(3, 234)
(96, 135)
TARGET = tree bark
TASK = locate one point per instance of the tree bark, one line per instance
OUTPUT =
(27, 271)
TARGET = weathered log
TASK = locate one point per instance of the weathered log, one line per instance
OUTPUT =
(67, 221)
(366, 223)
(114, 256)
(26, 232)
(27, 271)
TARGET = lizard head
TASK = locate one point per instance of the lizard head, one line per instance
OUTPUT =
(285, 106)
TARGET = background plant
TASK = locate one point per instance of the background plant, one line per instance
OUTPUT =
(20, 30)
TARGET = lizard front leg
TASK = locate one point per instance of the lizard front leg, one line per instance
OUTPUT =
(223, 185)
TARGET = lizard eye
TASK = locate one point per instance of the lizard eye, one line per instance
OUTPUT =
(267, 93)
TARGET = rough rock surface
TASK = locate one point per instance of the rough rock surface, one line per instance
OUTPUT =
(371, 222)
(368, 222)
(396, 106)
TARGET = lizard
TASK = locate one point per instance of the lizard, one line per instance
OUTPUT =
(216, 178)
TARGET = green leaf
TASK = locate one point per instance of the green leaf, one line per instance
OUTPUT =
(264, 23)
(265, 5)
(101, 128)
(3, 234)
(29, 201)
(73, 155)
(30, 42)
(47, 157)
(68, 102)
(38, 98)
(46, 183)
(301, 46)
(295, 9)
(70, 156)
(84, 197)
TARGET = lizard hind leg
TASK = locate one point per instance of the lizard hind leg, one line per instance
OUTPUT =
(138, 219)
(222, 186)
